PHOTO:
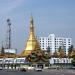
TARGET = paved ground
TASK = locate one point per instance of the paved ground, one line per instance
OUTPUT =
(61, 72)
(45, 72)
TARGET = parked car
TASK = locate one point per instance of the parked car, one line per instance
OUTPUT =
(23, 69)
(38, 69)
(0, 68)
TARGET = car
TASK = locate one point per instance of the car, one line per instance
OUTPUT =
(0, 68)
(38, 69)
(23, 69)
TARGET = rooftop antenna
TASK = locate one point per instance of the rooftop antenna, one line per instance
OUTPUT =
(8, 38)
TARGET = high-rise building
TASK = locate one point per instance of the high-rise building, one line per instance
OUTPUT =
(54, 42)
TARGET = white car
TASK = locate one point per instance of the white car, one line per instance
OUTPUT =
(38, 69)
(0, 68)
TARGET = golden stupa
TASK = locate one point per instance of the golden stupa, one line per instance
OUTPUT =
(32, 43)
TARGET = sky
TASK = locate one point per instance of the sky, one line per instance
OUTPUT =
(50, 17)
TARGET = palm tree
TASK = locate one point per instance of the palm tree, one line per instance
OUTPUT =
(59, 49)
(70, 51)
(49, 51)
(73, 61)
(55, 54)
(61, 52)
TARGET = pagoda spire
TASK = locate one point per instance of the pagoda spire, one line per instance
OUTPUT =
(31, 33)
(32, 43)
(31, 20)
(31, 24)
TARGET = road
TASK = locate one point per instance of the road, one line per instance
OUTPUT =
(45, 72)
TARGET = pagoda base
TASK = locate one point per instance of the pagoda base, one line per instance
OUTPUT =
(26, 52)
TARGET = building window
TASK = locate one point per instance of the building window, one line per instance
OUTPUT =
(64, 39)
(68, 44)
(43, 39)
(43, 43)
(40, 39)
(68, 39)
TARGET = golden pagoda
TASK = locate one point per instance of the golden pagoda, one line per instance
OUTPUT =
(32, 43)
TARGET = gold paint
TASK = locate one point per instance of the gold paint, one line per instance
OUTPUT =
(32, 43)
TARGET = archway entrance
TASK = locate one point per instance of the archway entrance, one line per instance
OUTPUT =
(40, 66)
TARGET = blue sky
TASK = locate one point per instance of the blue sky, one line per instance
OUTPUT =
(50, 16)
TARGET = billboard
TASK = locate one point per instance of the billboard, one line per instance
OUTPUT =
(10, 50)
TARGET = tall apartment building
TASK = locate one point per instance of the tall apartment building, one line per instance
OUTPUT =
(54, 42)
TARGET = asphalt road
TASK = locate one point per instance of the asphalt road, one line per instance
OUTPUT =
(45, 72)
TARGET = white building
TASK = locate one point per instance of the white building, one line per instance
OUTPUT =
(62, 60)
(54, 42)
(13, 51)
(9, 63)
